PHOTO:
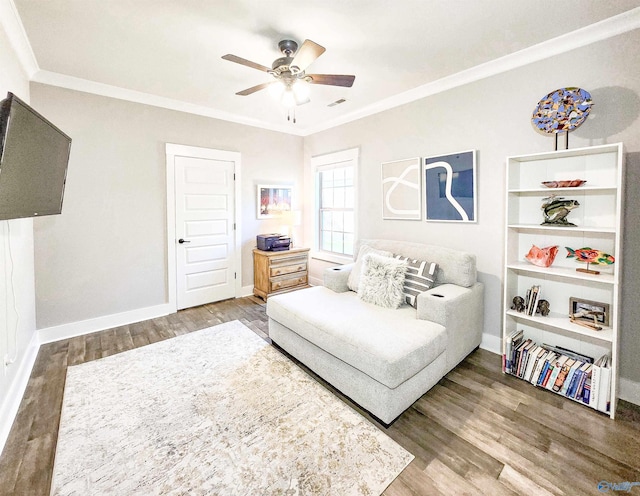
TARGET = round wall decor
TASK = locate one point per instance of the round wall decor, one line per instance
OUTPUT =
(562, 110)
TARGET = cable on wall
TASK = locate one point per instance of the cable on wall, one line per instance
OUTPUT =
(7, 360)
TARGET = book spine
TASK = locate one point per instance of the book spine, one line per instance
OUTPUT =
(537, 371)
(543, 372)
(580, 387)
(586, 390)
(561, 378)
(595, 386)
(605, 389)
(574, 384)
(547, 375)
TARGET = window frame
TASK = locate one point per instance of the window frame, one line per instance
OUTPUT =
(346, 158)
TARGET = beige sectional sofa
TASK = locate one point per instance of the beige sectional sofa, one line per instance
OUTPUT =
(384, 359)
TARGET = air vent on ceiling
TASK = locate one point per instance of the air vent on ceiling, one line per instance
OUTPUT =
(337, 102)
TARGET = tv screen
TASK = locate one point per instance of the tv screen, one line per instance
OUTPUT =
(34, 155)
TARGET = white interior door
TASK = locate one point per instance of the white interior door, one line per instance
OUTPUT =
(204, 230)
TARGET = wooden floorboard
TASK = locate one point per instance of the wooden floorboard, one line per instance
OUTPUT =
(476, 432)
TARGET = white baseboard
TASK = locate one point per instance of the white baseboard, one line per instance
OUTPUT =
(73, 329)
(246, 291)
(315, 281)
(491, 343)
(10, 404)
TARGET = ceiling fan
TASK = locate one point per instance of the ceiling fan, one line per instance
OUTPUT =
(291, 81)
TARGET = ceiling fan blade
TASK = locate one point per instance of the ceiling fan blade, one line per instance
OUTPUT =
(332, 79)
(248, 63)
(253, 89)
(306, 54)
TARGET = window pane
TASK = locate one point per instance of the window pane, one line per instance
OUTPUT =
(338, 177)
(325, 222)
(348, 222)
(348, 244)
(326, 240)
(327, 198)
(336, 245)
(326, 179)
(338, 198)
(338, 222)
(349, 197)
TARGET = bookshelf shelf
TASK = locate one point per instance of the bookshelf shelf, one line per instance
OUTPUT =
(564, 230)
(597, 220)
(561, 191)
(562, 323)
(561, 272)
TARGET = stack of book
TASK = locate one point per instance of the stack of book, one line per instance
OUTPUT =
(531, 300)
(561, 370)
(510, 344)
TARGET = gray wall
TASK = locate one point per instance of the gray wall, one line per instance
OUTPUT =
(106, 253)
(493, 117)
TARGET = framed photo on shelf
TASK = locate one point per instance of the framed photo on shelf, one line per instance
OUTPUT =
(273, 200)
(401, 190)
(450, 187)
(589, 311)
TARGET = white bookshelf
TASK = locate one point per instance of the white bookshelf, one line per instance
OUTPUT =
(598, 222)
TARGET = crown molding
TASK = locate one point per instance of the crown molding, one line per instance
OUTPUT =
(117, 92)
(17, 36)
(602, 30)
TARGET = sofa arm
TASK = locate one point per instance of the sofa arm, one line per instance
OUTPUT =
(335, 278)
(461, 311)
(444, 302)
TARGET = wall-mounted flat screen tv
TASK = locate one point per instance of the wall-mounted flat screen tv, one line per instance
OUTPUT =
(34, 155)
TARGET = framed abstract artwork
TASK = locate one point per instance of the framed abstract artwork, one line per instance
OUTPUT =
(450, 187)
(401, 189)
(273, 201)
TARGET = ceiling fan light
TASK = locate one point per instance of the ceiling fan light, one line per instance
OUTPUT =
(288, 98)
(301, 90)
(276, 90)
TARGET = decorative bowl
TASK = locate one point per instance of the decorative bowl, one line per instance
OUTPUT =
(572, 183)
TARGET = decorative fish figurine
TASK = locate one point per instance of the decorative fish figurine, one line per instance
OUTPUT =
(556, 210)
(542, 257)
(589, 255)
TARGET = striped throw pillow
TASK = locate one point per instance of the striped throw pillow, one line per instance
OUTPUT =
(419, 277)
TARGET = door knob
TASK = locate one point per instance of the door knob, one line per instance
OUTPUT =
(183, 241)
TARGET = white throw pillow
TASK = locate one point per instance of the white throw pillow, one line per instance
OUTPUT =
(420, 277)
(382, 281)
(354, 275)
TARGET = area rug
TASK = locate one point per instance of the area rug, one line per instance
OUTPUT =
(214, 412)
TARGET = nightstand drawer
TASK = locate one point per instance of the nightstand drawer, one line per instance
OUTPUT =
(284, 282)
(297, 266)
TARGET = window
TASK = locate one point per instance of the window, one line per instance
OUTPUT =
(335, 194)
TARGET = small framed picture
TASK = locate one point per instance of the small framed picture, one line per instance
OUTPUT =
(273, 201)
(589, 311)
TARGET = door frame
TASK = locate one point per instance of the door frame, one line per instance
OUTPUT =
(172, 151)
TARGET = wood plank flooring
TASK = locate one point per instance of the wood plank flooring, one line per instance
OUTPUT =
(476, 432)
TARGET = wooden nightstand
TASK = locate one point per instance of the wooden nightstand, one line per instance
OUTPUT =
(280, 271)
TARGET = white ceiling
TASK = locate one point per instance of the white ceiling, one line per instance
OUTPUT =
(168, 52)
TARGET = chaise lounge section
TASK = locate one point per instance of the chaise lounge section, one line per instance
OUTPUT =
(384, 359)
